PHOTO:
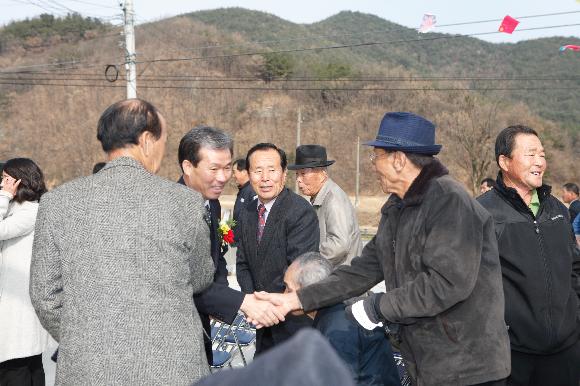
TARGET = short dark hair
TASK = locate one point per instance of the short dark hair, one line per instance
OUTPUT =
(504, 143)
(311, 268)
(240, 164)
(98, 166)
(123, 122)
(32, 185)
(489, 182)
(572, 187)
(267, 146)
(200, 137)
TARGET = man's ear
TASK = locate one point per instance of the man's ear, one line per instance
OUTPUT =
(145, 141)
(399, 161)
(504, 163)
(187, 167)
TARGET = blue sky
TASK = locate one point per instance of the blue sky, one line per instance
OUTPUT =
(406, 12)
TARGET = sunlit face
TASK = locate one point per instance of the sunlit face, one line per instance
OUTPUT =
(156, 149)
(211, 174)
(241, 177)
(310, 180)
(266, 174)
(290, 280)
(383, 167)
(526, 166)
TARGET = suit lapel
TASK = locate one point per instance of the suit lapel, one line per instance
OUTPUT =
(215, 210)
(251, 229)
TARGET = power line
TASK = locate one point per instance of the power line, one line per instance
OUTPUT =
(92, 77)
(365, 78)
(340, 46)
(94, 4)
(297, 88)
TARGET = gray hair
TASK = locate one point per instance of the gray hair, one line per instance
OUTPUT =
(311, 268)
(203, 137)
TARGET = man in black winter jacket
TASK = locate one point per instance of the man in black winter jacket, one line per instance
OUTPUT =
(537, 254)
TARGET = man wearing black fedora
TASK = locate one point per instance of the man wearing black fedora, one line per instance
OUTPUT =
(436, 249)
(339, 231)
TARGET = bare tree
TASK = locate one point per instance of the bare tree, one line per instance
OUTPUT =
(471, 130)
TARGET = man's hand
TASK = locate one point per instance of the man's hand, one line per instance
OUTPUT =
(366, 312)
(261, 313)
(285, 302)
(10, 185)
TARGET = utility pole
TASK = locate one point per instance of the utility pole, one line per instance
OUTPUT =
(357, 177)
(130, 66)
(298, 128)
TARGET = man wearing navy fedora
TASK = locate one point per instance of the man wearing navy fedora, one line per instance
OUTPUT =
(339, 231)
(436, 249)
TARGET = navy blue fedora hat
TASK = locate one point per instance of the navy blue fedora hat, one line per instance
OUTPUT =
(406, 132)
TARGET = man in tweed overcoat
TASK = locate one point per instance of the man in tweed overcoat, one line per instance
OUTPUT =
(116, 260)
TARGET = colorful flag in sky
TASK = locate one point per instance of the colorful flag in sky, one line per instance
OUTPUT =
(570, 47)
(508, 25)
(428, 23)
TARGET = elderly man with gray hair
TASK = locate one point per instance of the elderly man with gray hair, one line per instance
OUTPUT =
(368, 354)
(339, 231)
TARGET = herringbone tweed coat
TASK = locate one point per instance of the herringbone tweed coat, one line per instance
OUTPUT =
(117, 257)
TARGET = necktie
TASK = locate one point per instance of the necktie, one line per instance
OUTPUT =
(261, 221)
(207, 216)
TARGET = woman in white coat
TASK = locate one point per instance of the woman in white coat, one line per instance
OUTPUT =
(22, 337)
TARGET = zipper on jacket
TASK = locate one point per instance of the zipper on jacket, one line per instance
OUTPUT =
(548, 281)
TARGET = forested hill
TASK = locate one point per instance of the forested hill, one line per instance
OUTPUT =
(433, 54)
(253, 74)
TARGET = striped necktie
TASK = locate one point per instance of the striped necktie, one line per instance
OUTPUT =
(261, 221)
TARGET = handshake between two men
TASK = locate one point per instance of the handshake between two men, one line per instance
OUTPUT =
(264, 309)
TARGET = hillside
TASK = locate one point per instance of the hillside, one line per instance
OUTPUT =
(50, 112)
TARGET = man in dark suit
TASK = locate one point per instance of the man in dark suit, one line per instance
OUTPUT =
(205, 157)
(245, 192)
(275, 229)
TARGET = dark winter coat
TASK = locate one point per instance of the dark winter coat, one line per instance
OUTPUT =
(437, 251)
(536, 254)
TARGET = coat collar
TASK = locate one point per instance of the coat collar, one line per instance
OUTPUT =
(513, 196)
(326, 187)
(420, 185)
(124, 161)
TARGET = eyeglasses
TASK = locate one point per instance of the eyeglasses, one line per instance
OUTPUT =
(374, 156)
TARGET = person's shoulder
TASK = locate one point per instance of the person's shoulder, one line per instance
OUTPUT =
(449, 187)
(173, 191)
(559, 205)
(293, 199)
(488, 198)
(575, 205)
(334, 191)
(67, 189)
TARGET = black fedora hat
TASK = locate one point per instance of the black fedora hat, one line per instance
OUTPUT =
(406, 132)
(310, 156)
